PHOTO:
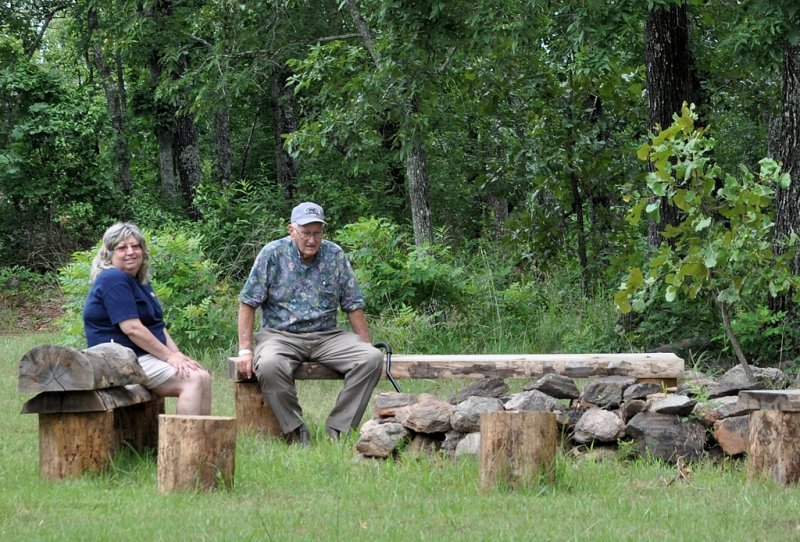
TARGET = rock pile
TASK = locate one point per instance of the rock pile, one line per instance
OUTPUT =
(701, 415)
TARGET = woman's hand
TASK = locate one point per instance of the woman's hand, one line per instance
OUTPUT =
(183, 364)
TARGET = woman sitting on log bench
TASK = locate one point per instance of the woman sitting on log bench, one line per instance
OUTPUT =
(122, 308)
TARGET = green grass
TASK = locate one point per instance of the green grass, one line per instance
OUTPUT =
(323, 493)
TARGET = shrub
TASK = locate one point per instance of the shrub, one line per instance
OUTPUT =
(392, 272)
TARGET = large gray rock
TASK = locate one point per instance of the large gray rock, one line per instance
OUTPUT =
(385, 404)
(640, 391)
(381, 439)
(554, 385)
(767, 377)
(709, 412)
(673, 404)
(466, 416)
(631, 408)
(429, 416)
(667, 437)
(598, 425)
(485, 387)
(606, 392)
(469, 445)
(532, 400)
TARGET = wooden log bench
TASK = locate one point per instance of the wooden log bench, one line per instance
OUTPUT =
(254, 414)
(774, 434)
(91, 403)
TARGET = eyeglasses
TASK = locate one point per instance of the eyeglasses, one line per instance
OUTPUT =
(317, 235)
(122, 249)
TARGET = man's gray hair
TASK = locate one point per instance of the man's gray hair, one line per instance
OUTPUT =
(111, 238)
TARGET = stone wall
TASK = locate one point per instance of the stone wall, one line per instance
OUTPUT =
(701, 416)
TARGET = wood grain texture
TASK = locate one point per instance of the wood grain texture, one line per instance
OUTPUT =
(774, 446)
(517, 448)
(253, 413)
(195, 452)
(52, 402)
(638, 365)
(51, 367)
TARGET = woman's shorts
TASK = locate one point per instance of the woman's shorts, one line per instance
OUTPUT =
(157, 371)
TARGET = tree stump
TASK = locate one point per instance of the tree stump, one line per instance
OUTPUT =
(774, 437)
(253, 413)
(70, 444)
(517, 448)
(80, 431)
(195, 452)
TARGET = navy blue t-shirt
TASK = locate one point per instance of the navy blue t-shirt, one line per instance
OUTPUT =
(114, 297)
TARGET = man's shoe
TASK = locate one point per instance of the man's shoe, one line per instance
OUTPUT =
(333, 434)
(299, 436)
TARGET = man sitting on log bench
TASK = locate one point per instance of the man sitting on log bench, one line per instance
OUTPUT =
(300, 282)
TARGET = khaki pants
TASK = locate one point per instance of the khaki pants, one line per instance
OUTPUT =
(279, 353)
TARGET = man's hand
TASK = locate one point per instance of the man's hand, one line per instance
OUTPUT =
(244, 365)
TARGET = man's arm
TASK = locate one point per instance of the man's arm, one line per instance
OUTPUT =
(246, 320)
(358, 322)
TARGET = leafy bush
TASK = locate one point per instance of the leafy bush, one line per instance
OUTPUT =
(199, 310)
(720, 248)
(238, 221)
(19, 282)
(393, 272)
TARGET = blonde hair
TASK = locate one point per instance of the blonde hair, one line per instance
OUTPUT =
(111, 238)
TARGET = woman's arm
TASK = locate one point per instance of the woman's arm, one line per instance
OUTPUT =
(144, 339)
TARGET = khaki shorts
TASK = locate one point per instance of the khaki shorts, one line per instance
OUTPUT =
(157, 371)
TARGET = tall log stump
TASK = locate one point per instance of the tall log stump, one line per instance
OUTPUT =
(253, 413)
(774, 437)
(195, 452)
(517, 448)
(70, 444)
(81, 430)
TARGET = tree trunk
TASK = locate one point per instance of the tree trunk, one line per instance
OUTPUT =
(517, 448)
(115, 98)
(416, 162)
(417, 178)
(164, 134)
(222, 138)
(188, 161)
(286, 166)
(787, 200)
(668, 84)
(166, 164)
(734, 342)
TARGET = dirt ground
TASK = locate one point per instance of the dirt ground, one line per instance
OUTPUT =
(21, 316)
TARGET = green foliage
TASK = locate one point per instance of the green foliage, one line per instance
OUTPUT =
(770, 338)
(722, 244)
(238, 221)
(21, 282)
(54, 184)
(393, 272)
(199, 309)
(721, 247)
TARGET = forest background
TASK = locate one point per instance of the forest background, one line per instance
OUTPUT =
(507, 176)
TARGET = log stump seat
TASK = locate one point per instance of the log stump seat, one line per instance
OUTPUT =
(774, 434)
(91, 403)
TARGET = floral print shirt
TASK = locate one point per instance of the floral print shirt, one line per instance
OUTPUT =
(301, 297)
